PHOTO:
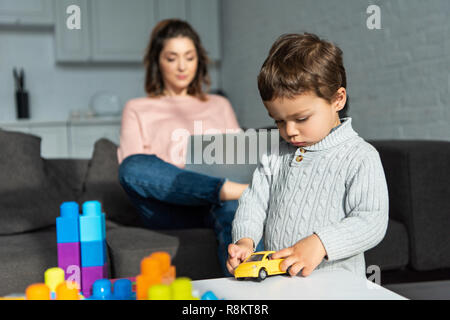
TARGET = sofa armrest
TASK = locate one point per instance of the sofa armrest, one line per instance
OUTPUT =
(418, 174)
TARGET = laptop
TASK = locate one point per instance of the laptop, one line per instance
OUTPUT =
(234, 156)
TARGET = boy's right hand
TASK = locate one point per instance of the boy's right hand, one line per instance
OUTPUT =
(238, 252)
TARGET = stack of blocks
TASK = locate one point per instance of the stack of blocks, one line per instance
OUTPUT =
(81, 241)
(155, 269)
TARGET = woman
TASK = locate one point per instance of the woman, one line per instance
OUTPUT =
(151, 172)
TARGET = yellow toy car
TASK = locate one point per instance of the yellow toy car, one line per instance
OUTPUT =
(258, 265)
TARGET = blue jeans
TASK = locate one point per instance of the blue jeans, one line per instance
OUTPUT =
(168, 197)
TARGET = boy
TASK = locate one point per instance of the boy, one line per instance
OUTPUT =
(323, 200)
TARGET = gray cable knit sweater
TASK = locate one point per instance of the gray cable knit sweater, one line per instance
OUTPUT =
(337, 190)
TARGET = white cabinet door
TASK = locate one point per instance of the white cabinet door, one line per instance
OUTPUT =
(26, 12)
(72, 45)
(121, 29)
(83, 137)
(168, 9)
(204, 17)
(54, 142)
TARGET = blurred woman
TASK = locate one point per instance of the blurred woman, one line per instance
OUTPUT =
(151, 155)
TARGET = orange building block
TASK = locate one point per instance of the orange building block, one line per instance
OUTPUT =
(155, 269)
(38, 291)
(68, 290)
(167, 270)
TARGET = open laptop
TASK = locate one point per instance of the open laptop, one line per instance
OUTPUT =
(234, 156)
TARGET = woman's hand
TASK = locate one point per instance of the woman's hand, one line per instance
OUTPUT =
(305, 255)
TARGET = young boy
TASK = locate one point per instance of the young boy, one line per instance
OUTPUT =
(322, 200)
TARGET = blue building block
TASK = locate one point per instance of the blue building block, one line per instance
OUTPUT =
(92, 222)
(92, 235)
(67, 224)
(123, 290)
(101, 290)
(93, 253)
(209, 295)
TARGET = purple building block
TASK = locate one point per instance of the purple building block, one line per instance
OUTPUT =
(89, 275)
(69, 259)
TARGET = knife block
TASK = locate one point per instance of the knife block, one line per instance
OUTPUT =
(22, 107)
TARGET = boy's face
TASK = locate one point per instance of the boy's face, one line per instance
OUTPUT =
(305, 119)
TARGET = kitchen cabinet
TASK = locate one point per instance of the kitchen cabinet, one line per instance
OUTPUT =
(204, 17)
(26, 12)
(119, 31)
(72, 44)
(166, 9)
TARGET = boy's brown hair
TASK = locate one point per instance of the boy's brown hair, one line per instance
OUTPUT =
(168, 29)
(300, 63)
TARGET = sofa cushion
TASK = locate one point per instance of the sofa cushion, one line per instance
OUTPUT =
(70, 172)
(102, 183)
(29, 197)
(418, 173)
(24, 259)
(196, 257)
(129, 245)
(392, 252)
(193, 251)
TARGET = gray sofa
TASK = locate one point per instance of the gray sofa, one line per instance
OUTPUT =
(32, 189)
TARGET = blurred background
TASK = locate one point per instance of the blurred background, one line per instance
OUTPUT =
(78, 80)
(67, 79)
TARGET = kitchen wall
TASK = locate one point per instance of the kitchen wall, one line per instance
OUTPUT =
(398, 76)
(57, 89)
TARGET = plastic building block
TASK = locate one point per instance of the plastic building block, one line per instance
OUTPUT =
(150, 275)
(69, 257)
(68, 240)
(209, 295)
(160, 292)
(122, 290)
(179, 289)
(182, 289)
(167, 270)
(68, 290)
(88, 277)
(93, 245)
(102, 290)
(90, 254)
(38, 291)
(92, 235)
(53, 277)
(155, 269)
(67, 226)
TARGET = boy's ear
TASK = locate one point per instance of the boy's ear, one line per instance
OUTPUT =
(340, 99)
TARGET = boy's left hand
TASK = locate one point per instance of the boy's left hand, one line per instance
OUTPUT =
(305, 255)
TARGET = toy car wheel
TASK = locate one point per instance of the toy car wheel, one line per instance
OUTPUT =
(262, 274)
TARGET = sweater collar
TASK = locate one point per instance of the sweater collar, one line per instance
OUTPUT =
(337, 135)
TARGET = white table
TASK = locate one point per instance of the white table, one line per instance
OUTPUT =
(320, 285)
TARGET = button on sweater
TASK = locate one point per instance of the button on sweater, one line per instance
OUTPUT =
(338, 191)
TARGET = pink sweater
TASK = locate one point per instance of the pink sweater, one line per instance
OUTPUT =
(161, 125)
